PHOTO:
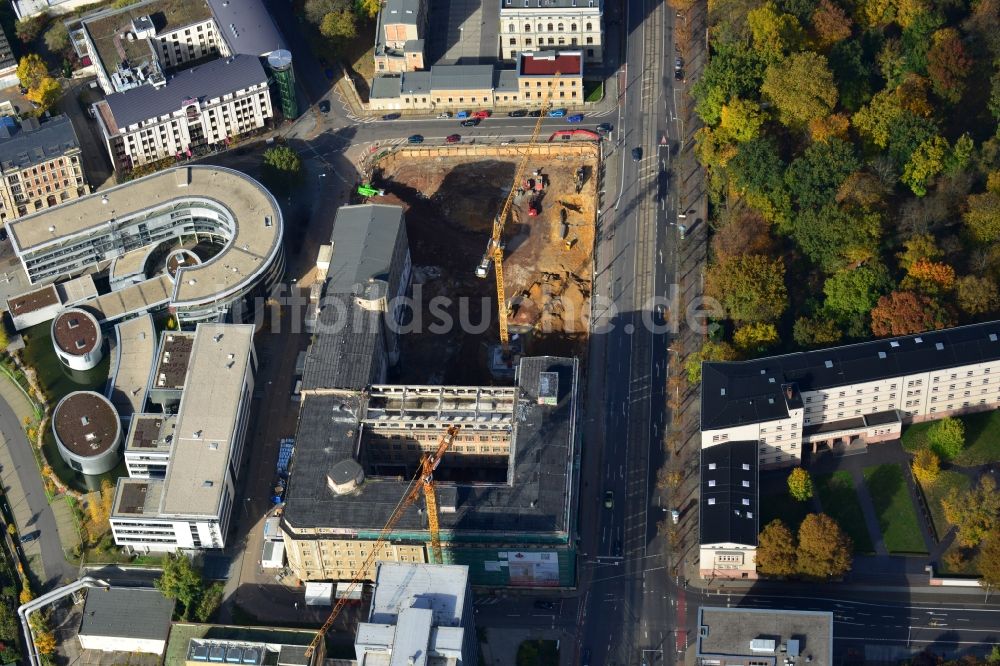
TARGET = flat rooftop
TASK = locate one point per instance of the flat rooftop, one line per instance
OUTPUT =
(133, 362)
(255, 245)
(538, 500)
(728, 632)
(107, 28)
(549, 63)
(137, 497)
(182, 635)
(127, 611)
(33, 300)
(86, 423)
(75, 332)
(151, 433)
(207, 419)
(439, 587)
(173, 360)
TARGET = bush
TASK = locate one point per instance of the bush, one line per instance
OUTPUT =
(926, 466)
(947, 438)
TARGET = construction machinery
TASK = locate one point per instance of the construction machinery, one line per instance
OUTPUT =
(495, 247)
(423, 482)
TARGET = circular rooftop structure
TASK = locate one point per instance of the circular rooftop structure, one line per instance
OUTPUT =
(77, 339)
(178, 259)
(345, 476)
(280, 59)
(88, 432)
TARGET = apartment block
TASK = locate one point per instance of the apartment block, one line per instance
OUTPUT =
(420, 613)
(206, 106)
(557, 76)
(529, 25)
(40, 166)
(850, 396)
(187, 503)
(399, 36)
(728, 517)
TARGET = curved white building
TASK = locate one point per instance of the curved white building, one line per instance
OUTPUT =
(88, 432)
(77, 339)
(174, 208)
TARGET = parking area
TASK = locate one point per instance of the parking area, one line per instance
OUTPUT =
(462, 32)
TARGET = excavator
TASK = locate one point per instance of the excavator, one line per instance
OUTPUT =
(422, 483)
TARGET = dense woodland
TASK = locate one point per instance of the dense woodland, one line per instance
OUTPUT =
(853, 166)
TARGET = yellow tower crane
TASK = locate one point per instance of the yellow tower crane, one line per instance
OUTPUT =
(494, 247)
(423, 482)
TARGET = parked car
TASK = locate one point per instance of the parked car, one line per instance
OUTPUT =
(482, 114)
(471, 122)
(446, 114)
(462, 114)
(609, 499)
(518, 114)
(678, 63)
(29, 537)
(391, 116)
(678, 75)
(453, 138)
(416, 138)
(605, 127)
(557, 113)
(636, 154)
(675, 516)
(541, 604)
(575, 118)
(324, 106)
(535, 114)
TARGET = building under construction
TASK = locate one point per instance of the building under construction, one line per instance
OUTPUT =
(506, 487)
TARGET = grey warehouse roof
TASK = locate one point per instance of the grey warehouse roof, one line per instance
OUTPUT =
(342, 354)
(729, 493)
(34, 143)
(537, 501)
(386, 87)
(247, 26)
(461, 77)
(753, 391)
(212, 79)
(364, 238)
(127, 612)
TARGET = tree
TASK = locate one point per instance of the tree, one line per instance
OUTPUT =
(824, 550)
(946, 437)
(815, 332)
(974, 512)
(281, 167)
(836, 236)
(180, 581)
(45, 642)
(905, 313)
(339, 25)
(31, 70)
(756, 172)
(369, 8)
(741, 120)
(751, 287)
(834, 126)
(745, 233)
(776, 550)
(814, 177)
(977, 295)
(982, 216)
(315, 10)
(755, 337)
(926, 466)
(862, 189)
(26, 594)
(926, 162)
(734, 71)
(922, 247)
(853, 292)
(28, 29)
(46, 94)
(830, 23)
(800, 485)
(948, 64)
(57, 37)
(210, 602)
(801, 87)
(774, 33)
(989, 562)
(710, 351)
(929, 277)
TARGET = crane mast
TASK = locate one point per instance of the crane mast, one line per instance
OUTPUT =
(423, 481)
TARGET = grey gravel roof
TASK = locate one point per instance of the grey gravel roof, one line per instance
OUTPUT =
(27, 145)
(461, 77)
(538, 501)
(418, 82)
(364, 238)
(127, 612)
(506, 80)
(342, 354)
(386, 87)
(212, 79)
(247, 26)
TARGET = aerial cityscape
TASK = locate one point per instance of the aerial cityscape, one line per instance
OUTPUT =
(500, 332)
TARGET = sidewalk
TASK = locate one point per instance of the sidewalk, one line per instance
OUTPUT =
(499, 644)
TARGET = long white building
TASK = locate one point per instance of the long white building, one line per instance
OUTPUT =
(560, 25)
(191, 506)
(850, 395)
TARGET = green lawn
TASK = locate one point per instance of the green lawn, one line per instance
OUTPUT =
(840, 502)
(896, 516)
(593, 91)
(784, 507)
(538, 653)
(982, 438)
(939, 489)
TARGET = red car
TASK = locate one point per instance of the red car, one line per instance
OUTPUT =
(453, 138)
(483, 113)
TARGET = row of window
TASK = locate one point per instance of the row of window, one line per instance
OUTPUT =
(551, 27)
(561, 41)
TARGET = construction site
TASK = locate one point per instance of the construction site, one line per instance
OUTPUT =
(452, 196)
